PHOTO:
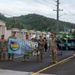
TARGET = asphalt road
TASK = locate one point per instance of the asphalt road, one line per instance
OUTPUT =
(33, 66)
(66, 68)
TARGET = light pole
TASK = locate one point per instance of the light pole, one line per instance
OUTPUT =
(57, 21)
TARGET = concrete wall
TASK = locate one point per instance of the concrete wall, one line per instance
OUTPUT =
(21, 34)
(7, 34)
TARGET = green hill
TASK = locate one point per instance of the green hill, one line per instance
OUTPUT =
(36, 22)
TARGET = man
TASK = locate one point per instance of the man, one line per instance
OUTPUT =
(53, 47)
(11, 55)
(41, 44)
(3, 45)
(45, 46)
(26, 53)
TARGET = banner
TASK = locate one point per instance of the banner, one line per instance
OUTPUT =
(18, 46)
(68, 45)
(14, 46)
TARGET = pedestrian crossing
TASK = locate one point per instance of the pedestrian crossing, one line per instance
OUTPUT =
(12, 72)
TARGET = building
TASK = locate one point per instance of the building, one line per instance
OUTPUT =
(21, 34)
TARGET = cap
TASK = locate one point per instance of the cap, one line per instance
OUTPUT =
(26, 34)
(52, 35)
(14, 31)
(2, 35)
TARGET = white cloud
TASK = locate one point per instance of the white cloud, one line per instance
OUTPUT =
(43, 7)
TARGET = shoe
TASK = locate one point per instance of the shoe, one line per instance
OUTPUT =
(4, 60)
(36, 60)
(27, 60)
(8, 59)
(52, 61)
(41, 60)
(23, 60)
(56, 62)
(12, 60)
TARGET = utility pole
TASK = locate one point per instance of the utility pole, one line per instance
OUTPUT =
(57, 21)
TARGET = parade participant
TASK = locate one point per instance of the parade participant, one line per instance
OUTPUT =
(9, 54)
(26, 53)
(3, 48)
(35, 52)
(53, 48)
(45, 46)
(48, 43)
(41, 44)
(60, 52)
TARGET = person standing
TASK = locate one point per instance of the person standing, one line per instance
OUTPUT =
(11, 55)
(3, 48)
(53, 48)
(41, 44)
(45, 46)
(26, 52)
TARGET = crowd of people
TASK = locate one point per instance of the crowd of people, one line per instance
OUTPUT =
(44, 45)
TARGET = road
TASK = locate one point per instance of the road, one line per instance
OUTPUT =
(66, 68)
(29, 68)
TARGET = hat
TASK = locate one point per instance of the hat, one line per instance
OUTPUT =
(33, 36)
(40, 36)
(14, 31)
(47, 35)
(2, 35)
(26, 34)
(52, 35)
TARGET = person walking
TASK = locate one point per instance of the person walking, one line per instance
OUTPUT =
(53, 48)
(11, 55)
(26, 52)
(45, 46)
(3, 48)
(41, 44)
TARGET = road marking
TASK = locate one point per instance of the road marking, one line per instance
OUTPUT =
(62, 61)
(12, 72)
(18, 57)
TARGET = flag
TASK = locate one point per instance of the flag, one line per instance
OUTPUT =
(14, 46)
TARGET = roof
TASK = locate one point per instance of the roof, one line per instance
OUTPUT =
(2, 23)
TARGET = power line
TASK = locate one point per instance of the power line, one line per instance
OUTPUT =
(44, 4)
(28, 3)
(48, 2)
(68, 11)
(37, 5)
(54, 0)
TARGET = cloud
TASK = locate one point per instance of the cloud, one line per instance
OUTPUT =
(42, 7)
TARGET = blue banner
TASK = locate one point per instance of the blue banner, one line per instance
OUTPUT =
(18, 46)
(14, 46)
(66, 45)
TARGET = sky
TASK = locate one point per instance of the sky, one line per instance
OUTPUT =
(43, 7)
